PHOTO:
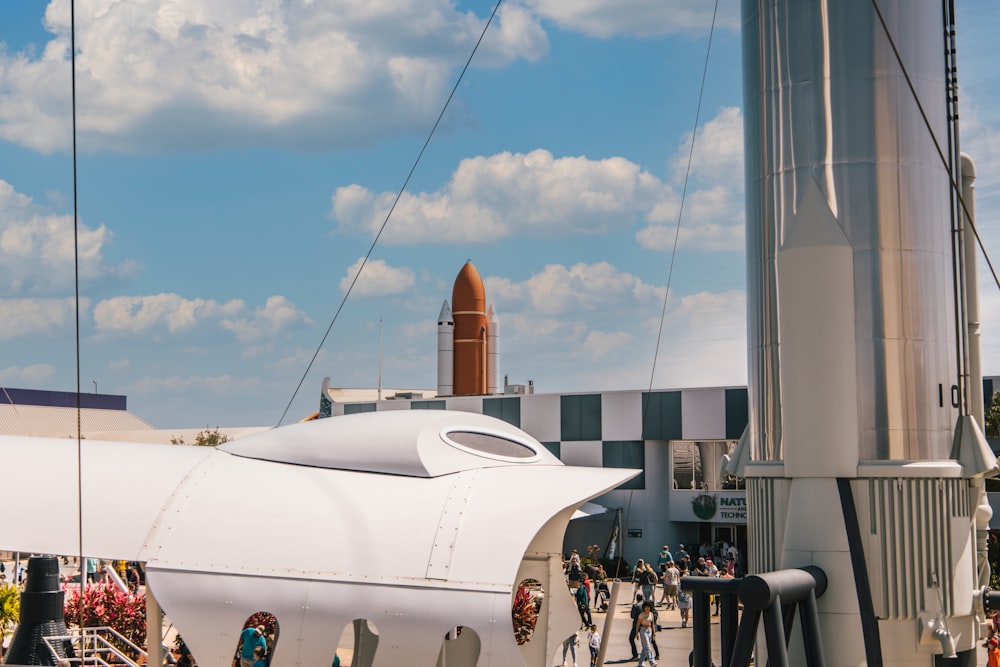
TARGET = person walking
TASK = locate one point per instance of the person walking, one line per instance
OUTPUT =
(569, 646)
(637, 574)
(594, 643)
(664, 558)
(649, 581)
(634, 613)
(645, 631)
(683, 603)
(250, 639)
(671, 579)
(583, 602)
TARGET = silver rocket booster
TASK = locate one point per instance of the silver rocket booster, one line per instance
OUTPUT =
(851, 295)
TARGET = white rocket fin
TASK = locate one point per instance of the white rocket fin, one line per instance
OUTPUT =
(814, 223)
(970, 448)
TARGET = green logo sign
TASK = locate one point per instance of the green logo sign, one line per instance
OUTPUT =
(704, 506)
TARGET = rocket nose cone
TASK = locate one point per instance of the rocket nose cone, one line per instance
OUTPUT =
(468, 292)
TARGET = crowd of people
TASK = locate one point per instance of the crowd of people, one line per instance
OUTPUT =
(667, 578)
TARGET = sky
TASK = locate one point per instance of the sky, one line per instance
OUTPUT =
(235, 160)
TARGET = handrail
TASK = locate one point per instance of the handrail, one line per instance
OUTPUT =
(95, 646)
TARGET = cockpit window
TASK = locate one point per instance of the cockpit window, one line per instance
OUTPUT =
(491, 445)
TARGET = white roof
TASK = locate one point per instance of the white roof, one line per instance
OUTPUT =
(58, 422)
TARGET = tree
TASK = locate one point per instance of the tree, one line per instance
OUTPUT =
(206, 438)
(992, 425)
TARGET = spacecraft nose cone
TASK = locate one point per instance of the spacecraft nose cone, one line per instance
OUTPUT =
(468, 294)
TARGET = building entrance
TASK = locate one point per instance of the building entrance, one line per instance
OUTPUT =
(732, 533)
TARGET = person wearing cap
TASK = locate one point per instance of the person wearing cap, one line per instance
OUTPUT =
(664, 558)
(250, 639)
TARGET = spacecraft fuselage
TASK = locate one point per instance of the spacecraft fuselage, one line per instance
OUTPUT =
(416, 521)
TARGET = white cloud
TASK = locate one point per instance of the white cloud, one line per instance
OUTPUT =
(718, 151)
(713, 216)
(36, 248)
(703, 340)
(119, 365)
(377, 279)
(37, 317)
(219, 385)
(639, 18)
(536, 194)
(141, 314)
(582, 287)
(189, 74)
(296, 360)
(703, 344)
(35, 374)
(525, 194)
(989, 310)
(277, 315)
(599, 344)
(154, 314)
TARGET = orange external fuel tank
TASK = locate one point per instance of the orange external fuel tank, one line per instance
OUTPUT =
(468, 301)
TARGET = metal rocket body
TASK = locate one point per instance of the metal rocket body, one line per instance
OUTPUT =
(851, 298)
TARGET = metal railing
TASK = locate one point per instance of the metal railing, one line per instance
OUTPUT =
(96, 646)
(774, 597)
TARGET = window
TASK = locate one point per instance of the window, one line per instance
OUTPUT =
(358, 643)
(626, 454)
(580, 417)
(355, 408)
(554, 448)
(427, 405)
(260, 633)
(461, 646)
(528, 598)
(507, 409)
(490, 445)
(696, 465)
(661, 415)
(736, 412)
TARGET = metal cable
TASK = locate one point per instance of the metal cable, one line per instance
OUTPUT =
(76, 291)
(680, 213)
(392, 208)
(28, 428)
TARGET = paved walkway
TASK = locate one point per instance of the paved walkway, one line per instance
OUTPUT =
(674, 641)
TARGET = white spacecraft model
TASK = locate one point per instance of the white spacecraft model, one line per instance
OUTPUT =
(419, 522)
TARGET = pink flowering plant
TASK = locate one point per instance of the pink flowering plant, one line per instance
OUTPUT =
(524, 614)
(106, 605)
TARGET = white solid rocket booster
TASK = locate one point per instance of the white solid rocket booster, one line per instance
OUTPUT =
(446, 357)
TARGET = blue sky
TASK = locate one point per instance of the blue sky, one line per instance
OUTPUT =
(235, 156)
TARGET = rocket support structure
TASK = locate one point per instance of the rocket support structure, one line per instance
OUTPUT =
(493, 352)
(864, 460)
